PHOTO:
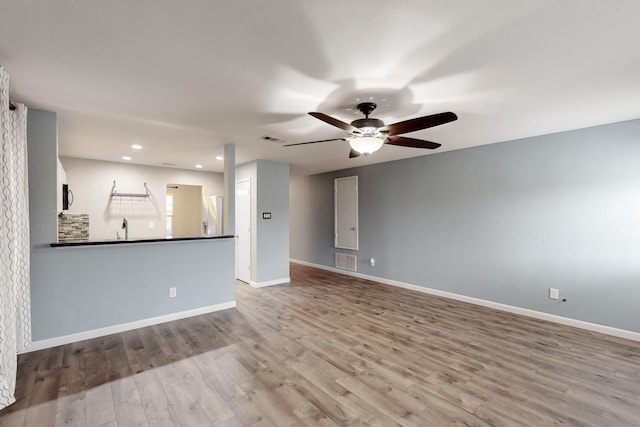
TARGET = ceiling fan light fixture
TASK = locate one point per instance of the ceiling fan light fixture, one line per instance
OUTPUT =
(367, 135)
(369, 131)
(366, 144)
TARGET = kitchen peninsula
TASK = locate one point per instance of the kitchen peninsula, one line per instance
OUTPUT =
(127, 241)
(106, 286)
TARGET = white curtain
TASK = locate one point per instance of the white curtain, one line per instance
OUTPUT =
(15, 301)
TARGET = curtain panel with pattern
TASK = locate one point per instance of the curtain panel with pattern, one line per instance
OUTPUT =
(15, 305)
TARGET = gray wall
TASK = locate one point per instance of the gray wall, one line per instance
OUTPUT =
(501, 222)
(270, 237)
(80, 289)
(42, 151)
(273, 234)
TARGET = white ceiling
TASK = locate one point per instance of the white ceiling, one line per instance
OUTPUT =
(183, 78)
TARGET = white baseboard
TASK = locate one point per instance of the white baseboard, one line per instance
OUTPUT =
(270, 282)
(594, 327)
(122, 327)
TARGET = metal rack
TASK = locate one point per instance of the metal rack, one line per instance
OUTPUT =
(114, 192)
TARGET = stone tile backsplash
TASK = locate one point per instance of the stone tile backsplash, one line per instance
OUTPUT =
(73, 227)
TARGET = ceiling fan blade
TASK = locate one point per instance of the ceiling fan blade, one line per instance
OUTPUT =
(353, 153)
(334, 122)
(419, 123)
(411, 142)
(314, 142)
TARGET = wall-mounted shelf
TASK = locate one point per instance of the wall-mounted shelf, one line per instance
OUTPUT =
(114, 192)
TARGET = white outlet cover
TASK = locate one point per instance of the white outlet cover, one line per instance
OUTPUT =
(554, 293)
(172, 292)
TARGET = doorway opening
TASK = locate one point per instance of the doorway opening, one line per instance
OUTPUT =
(184, 210)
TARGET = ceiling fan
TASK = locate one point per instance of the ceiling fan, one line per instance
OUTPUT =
(368, 135)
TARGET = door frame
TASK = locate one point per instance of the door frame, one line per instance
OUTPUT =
(335, 212)
(249, 231)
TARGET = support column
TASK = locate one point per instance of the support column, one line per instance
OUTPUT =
(229, 215)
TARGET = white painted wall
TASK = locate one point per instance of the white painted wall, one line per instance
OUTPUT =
(91, 182)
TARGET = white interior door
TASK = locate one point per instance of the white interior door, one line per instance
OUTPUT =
(346, 212)
(243, 230)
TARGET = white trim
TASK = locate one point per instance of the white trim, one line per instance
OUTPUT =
(594, 327)
(122, 327)
(252, 226)
(270, 282)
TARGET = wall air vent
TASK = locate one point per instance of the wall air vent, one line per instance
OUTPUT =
(345, 261)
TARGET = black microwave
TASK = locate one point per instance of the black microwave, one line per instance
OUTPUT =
(67, 197)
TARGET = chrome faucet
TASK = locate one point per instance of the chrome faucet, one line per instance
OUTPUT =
(125, 227)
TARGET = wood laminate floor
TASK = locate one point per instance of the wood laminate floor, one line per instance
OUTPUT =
(334, 350)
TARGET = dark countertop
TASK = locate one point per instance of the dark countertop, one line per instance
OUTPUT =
(73, 243)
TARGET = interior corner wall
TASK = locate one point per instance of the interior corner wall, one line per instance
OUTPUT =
(273, 234)
(270, 237)
(501, 222)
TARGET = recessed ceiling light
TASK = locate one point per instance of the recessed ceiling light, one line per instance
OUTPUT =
(126, 158)
(219, 158)
(199, 166)
(136, 147)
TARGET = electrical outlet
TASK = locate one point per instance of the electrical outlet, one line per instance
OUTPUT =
(172, 292)
(554, 293)
(372, 262)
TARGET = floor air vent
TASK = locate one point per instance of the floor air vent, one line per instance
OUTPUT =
(346, 262)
